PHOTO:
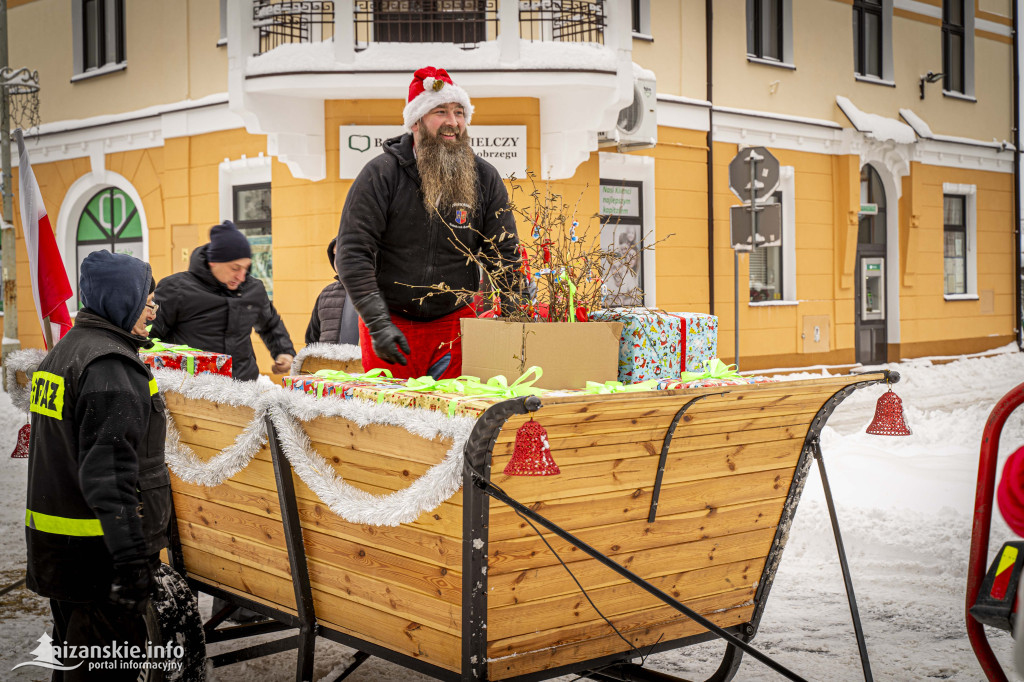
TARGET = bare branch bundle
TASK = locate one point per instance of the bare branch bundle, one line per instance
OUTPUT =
(563, 271)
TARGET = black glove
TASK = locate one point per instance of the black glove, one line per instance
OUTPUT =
(133, 584)
(387, 338)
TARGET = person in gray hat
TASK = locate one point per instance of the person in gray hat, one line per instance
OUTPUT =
(216, 304)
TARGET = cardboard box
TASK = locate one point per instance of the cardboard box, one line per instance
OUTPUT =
(570, 353)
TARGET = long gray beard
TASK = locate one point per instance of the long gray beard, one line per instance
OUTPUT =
(447, 173)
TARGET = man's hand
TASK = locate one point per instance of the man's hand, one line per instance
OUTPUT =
(132, 585)
(386, 337)
(283, 363)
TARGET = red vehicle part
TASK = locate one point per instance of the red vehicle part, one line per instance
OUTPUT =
(983, 500)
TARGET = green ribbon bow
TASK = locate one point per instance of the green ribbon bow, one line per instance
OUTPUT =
(609, 387)
(181, 349)
(717, 370)
(377, 375)
(498, 386)
(572, 294)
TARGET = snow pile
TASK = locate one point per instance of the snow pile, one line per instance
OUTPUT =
(873, 125)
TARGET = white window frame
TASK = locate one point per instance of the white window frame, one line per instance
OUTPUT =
(787, 37)
(968, 92)
(77, 28)
(612, 166)
(787, 186)
(645, 20)
(970, 194)
(223, 40)
(244, 171)
(75, 199)
(888, 71)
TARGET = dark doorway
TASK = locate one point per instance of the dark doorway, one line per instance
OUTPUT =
(870, 300)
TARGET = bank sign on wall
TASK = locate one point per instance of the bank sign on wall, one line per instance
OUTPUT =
(503, 146)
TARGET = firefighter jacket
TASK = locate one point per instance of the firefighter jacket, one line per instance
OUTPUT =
(98, 486)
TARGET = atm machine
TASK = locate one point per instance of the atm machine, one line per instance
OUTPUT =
(871, 332)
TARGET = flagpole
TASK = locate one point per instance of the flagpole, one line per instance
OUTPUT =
(47, 332)
(10, 341)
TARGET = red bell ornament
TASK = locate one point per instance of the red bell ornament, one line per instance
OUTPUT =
(531, 455)
(21, 447)
(889, 419)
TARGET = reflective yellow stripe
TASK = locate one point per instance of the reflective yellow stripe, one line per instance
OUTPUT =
(59, 525)
(152, 387)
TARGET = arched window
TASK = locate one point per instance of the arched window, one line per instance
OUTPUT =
(109, 221)
(872, 212)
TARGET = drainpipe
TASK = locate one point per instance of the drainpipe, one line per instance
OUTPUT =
(1016, 175)
(708, 21)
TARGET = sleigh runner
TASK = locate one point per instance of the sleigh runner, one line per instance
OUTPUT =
(693, 490)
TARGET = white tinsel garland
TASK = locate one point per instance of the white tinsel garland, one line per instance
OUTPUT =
(342, 352)
(426, 493)
(219, 389)
(26, 361)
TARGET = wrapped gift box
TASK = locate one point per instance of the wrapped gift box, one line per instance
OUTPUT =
(700, 340)
(452, 404)
(650, 343)
(191, 361)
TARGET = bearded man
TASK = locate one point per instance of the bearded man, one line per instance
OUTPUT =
(410, 219)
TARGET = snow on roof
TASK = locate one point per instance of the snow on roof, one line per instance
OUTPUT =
(873, 125)
(293, 57)
(924, 130)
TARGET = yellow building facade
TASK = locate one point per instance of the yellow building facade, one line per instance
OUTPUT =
(896, 191)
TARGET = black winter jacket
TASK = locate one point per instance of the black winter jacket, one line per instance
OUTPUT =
(334, 318)
(199, 311)
(387, 240)
(98, 488)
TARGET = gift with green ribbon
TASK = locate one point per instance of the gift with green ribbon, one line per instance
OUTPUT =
(717, 371)
(161, 355)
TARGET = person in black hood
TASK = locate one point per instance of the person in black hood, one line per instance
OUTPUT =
(99, 499)
(216, 304)
(411, 217)
(334, 318)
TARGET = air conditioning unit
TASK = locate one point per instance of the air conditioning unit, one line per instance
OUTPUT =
(637, 126)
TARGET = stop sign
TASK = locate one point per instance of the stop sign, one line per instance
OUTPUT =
(765, 169)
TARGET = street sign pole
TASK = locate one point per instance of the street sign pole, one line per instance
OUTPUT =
(750, 191)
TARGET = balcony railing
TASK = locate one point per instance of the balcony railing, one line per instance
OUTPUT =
(465, 23)
(292, 21)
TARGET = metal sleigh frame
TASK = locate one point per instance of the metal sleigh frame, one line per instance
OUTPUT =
(477, 489)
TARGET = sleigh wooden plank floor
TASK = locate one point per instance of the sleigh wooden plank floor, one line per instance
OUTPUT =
(692, 490)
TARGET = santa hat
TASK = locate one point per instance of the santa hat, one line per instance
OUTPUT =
(429, 88)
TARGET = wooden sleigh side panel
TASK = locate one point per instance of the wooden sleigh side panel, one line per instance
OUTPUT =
(231, 535)
(399, 587)
(730, 469)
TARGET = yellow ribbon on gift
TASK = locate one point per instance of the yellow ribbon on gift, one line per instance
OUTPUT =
(609, 387)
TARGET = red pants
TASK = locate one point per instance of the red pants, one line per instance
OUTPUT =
(436, 347)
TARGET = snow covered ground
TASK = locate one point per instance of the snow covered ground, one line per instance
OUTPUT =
(904, 507)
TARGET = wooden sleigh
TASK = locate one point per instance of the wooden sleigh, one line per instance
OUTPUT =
(685, 494)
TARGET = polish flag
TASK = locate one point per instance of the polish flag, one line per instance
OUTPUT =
(50, 286)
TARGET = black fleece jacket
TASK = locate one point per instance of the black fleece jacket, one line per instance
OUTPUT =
(96, 454)
(387, 241)
(199, 311)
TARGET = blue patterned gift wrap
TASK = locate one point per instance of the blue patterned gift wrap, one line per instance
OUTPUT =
(650, 344)
(700, 340)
